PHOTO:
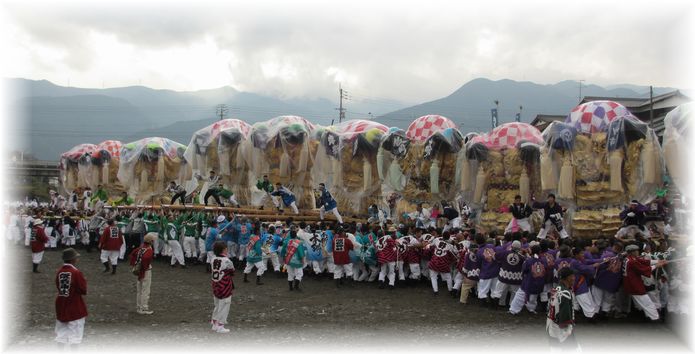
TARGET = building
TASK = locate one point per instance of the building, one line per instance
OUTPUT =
(542, 121)
(641, 107)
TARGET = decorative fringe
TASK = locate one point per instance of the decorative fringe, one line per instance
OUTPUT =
(380, 163)
(201, 162)
(188, 174)
(304, 156)
(615, 161)
(144, 177)
(648, 163)
(239, 159)
(105, 174)
(480, 180)
(367, 174)
(161, 169)
(225, 163)
(70, 180)
(524, 186)
(658, 166)
(548, 178)
(465, 175)
(565, 188)
(396, 177)
(434, 177)
(337, 168)
(285, 164)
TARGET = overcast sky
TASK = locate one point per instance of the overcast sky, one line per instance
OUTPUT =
(411, 51)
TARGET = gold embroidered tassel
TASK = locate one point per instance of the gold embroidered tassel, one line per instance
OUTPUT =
(367, 174)
(565, 187)
(434, 177)
(615, 162)
(480, 180)
(524, 186)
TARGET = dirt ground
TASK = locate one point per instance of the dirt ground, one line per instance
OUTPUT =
(271, 315)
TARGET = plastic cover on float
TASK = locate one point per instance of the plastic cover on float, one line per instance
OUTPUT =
(598, 159)
(346, 161)
(283, 148)
(505, 162)
(104, 166)
(74, 166)
(678, 139)
(393, 149)
(431, 159)
(220, 147)
(148, 165)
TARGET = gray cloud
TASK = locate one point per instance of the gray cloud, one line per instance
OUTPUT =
(413, 52)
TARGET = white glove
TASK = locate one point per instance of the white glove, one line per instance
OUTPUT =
(631, 214)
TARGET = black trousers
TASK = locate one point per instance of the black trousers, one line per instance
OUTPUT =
(214, 194)
(180, 196)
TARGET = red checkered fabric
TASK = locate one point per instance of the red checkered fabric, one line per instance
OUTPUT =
(225, 124)
(508, 135)
(112, 146)
(424, 127)
(594, 116)
(76, 152)
(480, 139)
(352, 128)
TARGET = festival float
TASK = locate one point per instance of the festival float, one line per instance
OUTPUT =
(104, 166)
(74, 167)
(220, 147)
(148, 165)
(346, 161)
(283, 148)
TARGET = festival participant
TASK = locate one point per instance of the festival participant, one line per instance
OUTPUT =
(632, 217)
(533, 270)
(489, 269)
(141, 261)
(125, 200)
(520, 216)
(266, 187)
(110, 244)
(226, 194)
(461, 245)
(328, 204)
(560, 321)
(583, 274)
(71, 311)
(292, 253)
(453, 220)
(189, 228)
(210, 239)
(172, 237)
(255, 256)
(443, 256)
(99, 198)
(341, 247)
(86, 198)
(37, 240)
(471, 271)
(608, 279)
(177, 191)
(244, 230)
(213, 190)
(275, 233)
(96, 223)
(411, 256)
(288, 198)
(634, 268)
(222, 286)
(552, 216)
(386, 255)
(511, 262)
(422, 217)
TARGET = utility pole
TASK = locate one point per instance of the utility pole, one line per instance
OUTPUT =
(341, 110)
(518, 115)
(494, 113)
(651, 106)
(580, 89)
(221, 110)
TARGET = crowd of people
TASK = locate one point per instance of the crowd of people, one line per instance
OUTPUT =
(542, 272)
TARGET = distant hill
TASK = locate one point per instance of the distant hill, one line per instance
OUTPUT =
(470, 105)
(53, 118)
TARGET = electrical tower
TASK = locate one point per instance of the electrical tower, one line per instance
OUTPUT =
(341, 110)
(221, 111)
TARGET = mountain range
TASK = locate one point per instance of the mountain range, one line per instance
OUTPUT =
(54, 118)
